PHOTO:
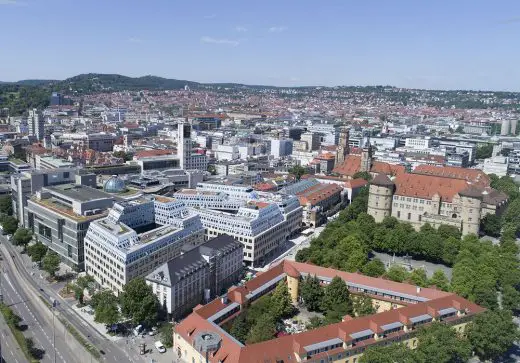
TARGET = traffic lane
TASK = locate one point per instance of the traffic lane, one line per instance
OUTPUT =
(11, 351)
(112, 352)
(40, 332)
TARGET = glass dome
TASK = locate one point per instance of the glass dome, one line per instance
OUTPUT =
(114, 185)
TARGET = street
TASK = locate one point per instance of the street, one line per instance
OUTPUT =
(9, 349)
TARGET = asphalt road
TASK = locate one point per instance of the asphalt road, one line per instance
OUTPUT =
(10, 351)
(112, 352)
(37, 327)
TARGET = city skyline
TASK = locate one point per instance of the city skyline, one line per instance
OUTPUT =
(466, 45)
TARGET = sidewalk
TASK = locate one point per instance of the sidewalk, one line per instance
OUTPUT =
(10, 350)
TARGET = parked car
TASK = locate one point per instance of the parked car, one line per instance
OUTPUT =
(138, 330)
(160, 347)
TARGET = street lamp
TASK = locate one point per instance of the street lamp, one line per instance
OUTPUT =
(55, 304)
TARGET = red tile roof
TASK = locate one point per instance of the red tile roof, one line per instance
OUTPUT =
(475, 176)
(318, 193)
(352, 165)
(426, 186)
(152, 153)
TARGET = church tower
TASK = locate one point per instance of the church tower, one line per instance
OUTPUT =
(343, 148)
(366, 153)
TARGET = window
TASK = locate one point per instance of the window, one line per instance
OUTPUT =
(409, 216)
(398, 214)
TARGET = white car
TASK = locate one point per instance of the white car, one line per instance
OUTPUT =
(160, 347)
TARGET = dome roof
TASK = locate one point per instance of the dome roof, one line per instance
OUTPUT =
(114, 185)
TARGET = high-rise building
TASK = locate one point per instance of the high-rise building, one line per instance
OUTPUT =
(189, 160)
(56, 99)
(36, 123)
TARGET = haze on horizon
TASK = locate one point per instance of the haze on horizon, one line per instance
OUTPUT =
(434, 45)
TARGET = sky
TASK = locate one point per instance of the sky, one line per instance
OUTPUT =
(435, 44)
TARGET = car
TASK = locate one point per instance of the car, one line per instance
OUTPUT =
(137, 330)
(152, 333)
(160, 347)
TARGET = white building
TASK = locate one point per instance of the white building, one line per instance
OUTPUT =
(281, 148)
(189, 160)
(497, 165)
(116, 253)
(418, 143)
(36, 124)
(209, 200)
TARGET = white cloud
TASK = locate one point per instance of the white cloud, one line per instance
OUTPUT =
(134, 40)
(277, 29)
(210, 16)
(12, 2)
(240, 29)
(221, 41)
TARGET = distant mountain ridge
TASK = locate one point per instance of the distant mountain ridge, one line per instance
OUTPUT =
(96, 82)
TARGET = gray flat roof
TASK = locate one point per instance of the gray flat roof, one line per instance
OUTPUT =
(447, 311)
(420, 318)
(325, 344)
(80, 193)
(362, 334)
(224, 311)
(391, 326)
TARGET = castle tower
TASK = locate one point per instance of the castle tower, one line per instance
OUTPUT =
(471, 200)
(184, 145)
(380, 195)
(343, 148)
(366, 153)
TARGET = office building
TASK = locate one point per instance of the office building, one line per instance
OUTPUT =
(36, 124)
(138, 236)
(402, 309)
(27, 183)
(60, 215)
(197, 275)
(312, 141)
(188, 159)
(280, 148)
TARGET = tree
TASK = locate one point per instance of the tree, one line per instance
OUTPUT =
(240, 328)
(139, 303)
(419, 277)
(106, 309)
(281, 305)
(362, 175)
(82, 283)
(6, 205)
(492, 333)
(264, 329)
(9, 224)
(510, 298)
(298, 171)
(363, 305)
(394, 353)
(397, 273)
(37, 251)
(315, 322)
(374, 268)
(441, 344)
(22, 237)
(491, 225)
(336, 295)
(166, 333)
(440, 280)
(484, 151)
(51, 263)
(311, 292)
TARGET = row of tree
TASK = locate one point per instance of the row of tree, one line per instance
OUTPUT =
(489, 336)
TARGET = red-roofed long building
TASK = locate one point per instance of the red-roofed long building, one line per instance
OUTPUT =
(402, 309)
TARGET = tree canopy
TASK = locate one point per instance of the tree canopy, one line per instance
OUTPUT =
(106, 309)
(6, 205)
(139, 303)
(37, 251)
(51, 263)
(22, 237)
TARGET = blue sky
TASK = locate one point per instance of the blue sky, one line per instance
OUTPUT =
(440, 44)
